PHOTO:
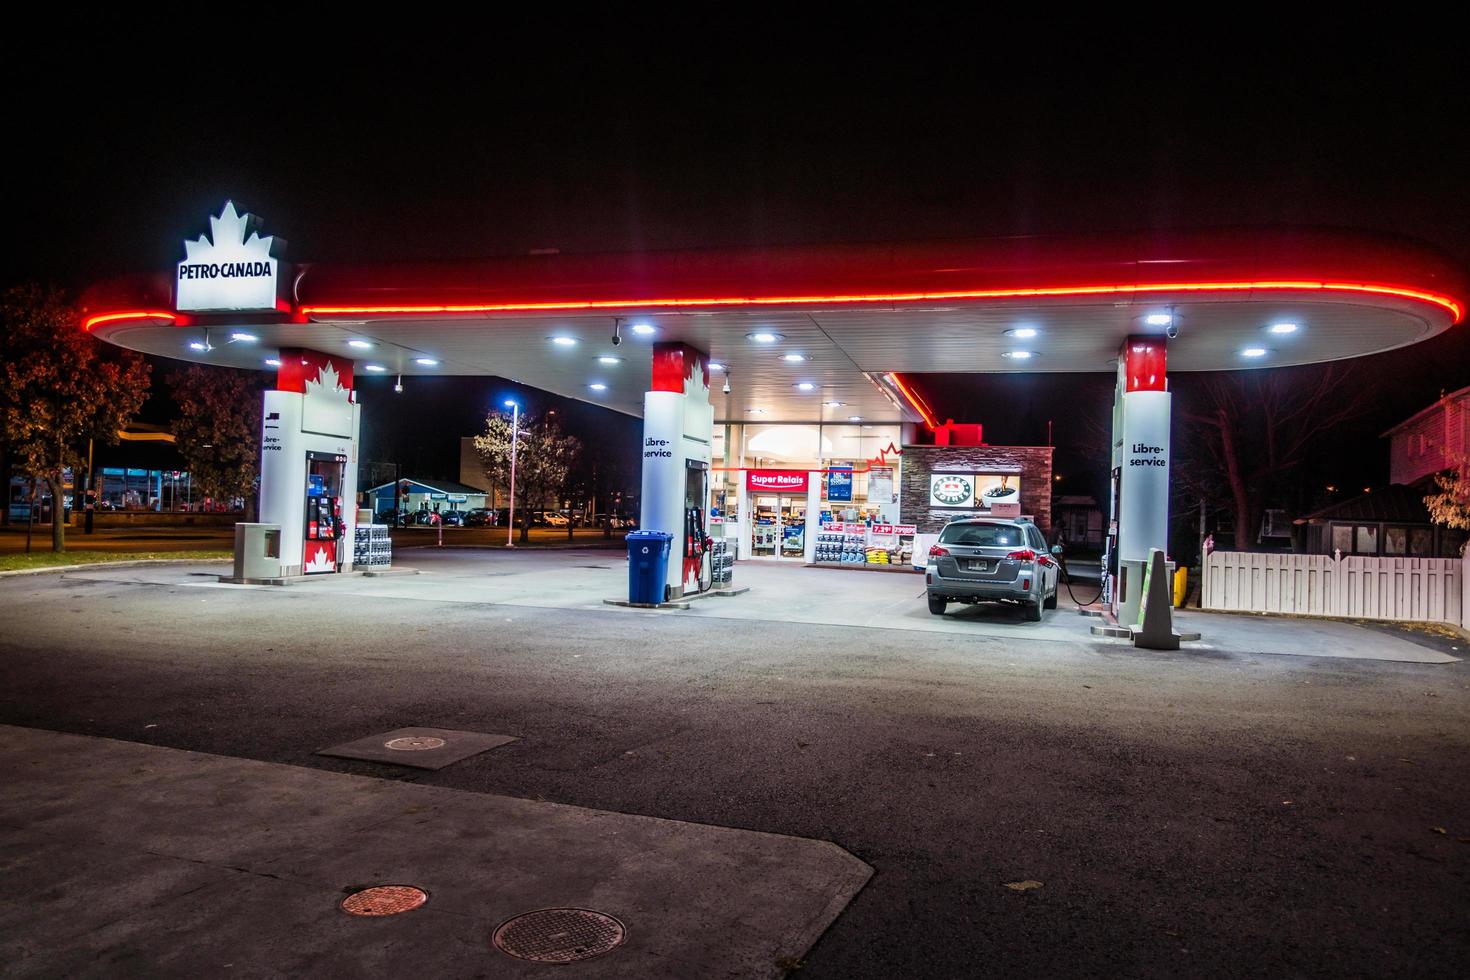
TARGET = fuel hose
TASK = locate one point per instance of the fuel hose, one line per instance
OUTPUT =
(1067, 580)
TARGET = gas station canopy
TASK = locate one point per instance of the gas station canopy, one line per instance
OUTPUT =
(800, 329)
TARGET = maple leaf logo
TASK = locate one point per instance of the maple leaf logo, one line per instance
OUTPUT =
(326, 384)
(228, 233)
(321, 560)
(697, 383)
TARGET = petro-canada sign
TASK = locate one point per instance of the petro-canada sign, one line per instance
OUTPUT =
(230, 269)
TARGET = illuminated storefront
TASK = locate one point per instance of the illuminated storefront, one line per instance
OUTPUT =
(777, 482)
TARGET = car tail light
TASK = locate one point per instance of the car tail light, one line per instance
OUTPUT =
(1026, 584)
(937, 552)
(1026, 554)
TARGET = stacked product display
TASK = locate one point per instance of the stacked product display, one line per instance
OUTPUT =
(372, 546)
(890, 549)
(722, 564)
(841, 547)
(867, 546)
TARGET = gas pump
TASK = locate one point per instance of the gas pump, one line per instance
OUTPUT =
(697, 543)
(324, 524)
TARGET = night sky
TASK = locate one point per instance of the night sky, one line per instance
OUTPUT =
(466, 139)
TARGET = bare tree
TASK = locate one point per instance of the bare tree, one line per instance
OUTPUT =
(544, 458)
(1245, 433)
(218, 429)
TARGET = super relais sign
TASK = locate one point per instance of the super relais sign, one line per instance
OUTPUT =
(776, 481)
(230, 269)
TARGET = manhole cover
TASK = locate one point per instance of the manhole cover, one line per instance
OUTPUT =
(384, 900)
(559, 935)
(414, 743)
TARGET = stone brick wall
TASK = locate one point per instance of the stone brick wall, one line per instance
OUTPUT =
(1033, 463)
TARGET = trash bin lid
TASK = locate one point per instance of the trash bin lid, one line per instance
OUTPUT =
(649, 536)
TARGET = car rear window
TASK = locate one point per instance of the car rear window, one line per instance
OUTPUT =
(982, 535)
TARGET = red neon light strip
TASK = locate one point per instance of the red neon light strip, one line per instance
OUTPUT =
(93, 321)
(1445, 302)
(917, 403)
(1437, 299)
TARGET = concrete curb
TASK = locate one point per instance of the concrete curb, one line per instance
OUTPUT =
(112, 564)
(335, 576)
(683, 602)
(673, 604)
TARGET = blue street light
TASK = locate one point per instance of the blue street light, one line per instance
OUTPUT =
(515, 424)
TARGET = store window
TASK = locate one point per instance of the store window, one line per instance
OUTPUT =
(724, 480)
(1395, 540)
(785, 446)
(1421, 542)
(1367, 539)
(872, 491)
(1342, 538)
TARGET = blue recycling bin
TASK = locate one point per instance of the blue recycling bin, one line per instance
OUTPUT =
(648, 565)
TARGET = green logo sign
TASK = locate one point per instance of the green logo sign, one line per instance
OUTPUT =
(952, 491)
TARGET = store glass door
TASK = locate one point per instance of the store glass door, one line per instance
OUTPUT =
(779, 528)
(793, 527)
(765, 518)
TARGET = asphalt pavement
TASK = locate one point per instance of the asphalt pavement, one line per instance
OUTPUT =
(1030, 805)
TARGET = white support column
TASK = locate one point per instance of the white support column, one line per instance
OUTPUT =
(1141, 454)
(678, 427)
(283, 473)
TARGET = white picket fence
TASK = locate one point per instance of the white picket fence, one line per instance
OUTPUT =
(1415, 589)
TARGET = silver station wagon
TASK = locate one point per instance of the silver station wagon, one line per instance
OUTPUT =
(986, 559)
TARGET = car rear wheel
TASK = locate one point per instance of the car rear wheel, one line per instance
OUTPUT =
(1033, 612)
(937, 605)
(1051, 600)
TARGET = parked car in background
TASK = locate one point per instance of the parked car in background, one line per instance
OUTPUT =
(452, 518)
(992, 560)
(479, 517)
(553, 519)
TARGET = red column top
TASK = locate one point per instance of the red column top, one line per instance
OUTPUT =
(1144, 364)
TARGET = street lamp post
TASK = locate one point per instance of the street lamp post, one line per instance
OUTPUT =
(515, 426)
